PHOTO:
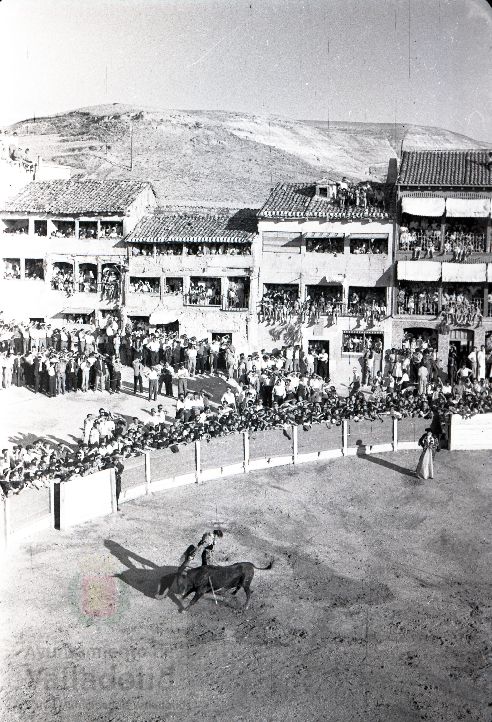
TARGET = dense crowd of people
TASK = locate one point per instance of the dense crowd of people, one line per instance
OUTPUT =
(460, 305)
(423, 239)
(274, 398)
(360, 195)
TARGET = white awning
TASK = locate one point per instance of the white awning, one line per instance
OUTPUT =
(419, 270)
(464, 272)
(423, 206)
(162, 316)
(78, 310)
(468, 207)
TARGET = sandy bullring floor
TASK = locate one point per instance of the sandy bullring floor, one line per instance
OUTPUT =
(376, 608)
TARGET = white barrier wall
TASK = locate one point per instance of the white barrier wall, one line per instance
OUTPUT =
(471, 434)
(85, 497)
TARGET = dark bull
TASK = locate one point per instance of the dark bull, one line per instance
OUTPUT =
(211, 579)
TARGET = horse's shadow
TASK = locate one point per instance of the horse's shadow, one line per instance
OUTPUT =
(142, 574)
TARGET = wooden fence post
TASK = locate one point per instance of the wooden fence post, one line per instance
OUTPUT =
(344, 436)
(198, 462)
(246, 451)
(395, 434)
(148, 476)
(294, 444)
(114, 501)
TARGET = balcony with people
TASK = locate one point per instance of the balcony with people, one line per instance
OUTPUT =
(15, 226)
(87, 280)
(417, 298)
(88, 230)
(34, 269)
(322, 300)
(11, 269)
(62, 277)
(463, 304)
(237, 296)
(173, 286)
(147, 285)
(280, 303)
(368, 304)
(203, 292)
(458, 240)
(63, 229)
(325, 243)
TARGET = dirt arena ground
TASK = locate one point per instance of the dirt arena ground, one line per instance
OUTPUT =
(376, 609)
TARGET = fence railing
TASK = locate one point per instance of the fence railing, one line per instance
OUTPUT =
(200, 461)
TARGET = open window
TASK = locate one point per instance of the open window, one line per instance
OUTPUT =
(148, 285)
(34, 269)
(11, 269)
(18, 226)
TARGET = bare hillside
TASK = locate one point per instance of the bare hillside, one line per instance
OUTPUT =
(216, 158)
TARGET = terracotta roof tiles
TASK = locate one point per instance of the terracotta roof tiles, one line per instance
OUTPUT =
(239, 227)
(446, 168)
(76, 197)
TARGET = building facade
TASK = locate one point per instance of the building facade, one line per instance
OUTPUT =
(193, 271)
(330, 246)
(443, 256)
(63, 254)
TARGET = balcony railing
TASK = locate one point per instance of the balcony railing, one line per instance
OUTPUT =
(194, 299)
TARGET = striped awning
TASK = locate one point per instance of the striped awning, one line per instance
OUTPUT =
(419, 270)
(464, 272)
(321, 234)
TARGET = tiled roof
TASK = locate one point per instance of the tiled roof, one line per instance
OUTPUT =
(298, 200)
(446, 168)
(239, 227)
(74, 197)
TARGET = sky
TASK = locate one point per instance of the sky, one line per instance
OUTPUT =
(426, 62)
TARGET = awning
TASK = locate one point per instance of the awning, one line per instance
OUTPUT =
(162, 316)
(464, 272)
(368, 236)
(320, 234)
(423, 206)
(84, 310)
(419, 270)
(468, 207)
(205, 239)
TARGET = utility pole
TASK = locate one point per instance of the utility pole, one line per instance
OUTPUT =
(131, 147)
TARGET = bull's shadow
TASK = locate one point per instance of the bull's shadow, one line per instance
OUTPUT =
(142, 574)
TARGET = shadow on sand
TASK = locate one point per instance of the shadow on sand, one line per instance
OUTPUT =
(142, 574)
(145, 576)
(387, 464)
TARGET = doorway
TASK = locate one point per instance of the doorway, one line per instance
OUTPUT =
(322, 368)
(462, 340)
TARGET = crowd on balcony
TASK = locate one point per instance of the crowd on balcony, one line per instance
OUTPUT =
(204, 293)
(11, 269)
(87, 279)
(34, 269)
(321, 302)
(368, 246)
(17, 227)
(145, 285)
(462, 305)
(63, 280)
(325, 245)
(423, 238)
(111, 284)
(417, 298)
(367, 304)
(218, 249)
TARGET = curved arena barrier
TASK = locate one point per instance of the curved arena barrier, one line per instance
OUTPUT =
(81, 499)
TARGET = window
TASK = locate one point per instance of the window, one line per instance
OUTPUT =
(62, 277)
(357, 343)
(360, 244)
(418, 297)
(281, 242)
(63, 229)
(169, 249)
(11, 269)
(204, 292)
(87, 280)
(238, 293)
(141, 249)
(17, 227)
(111, 229)
(41, 228)
(145, 285)
(324, 243)
(34, 269)
(88, 229)
(367, 302)
(464, 236)
(173, 286)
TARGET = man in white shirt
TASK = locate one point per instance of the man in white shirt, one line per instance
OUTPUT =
(472, 358)
(182, 377)
(481, 362)
(229, 398)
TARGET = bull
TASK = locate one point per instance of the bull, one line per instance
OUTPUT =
(201, 580)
